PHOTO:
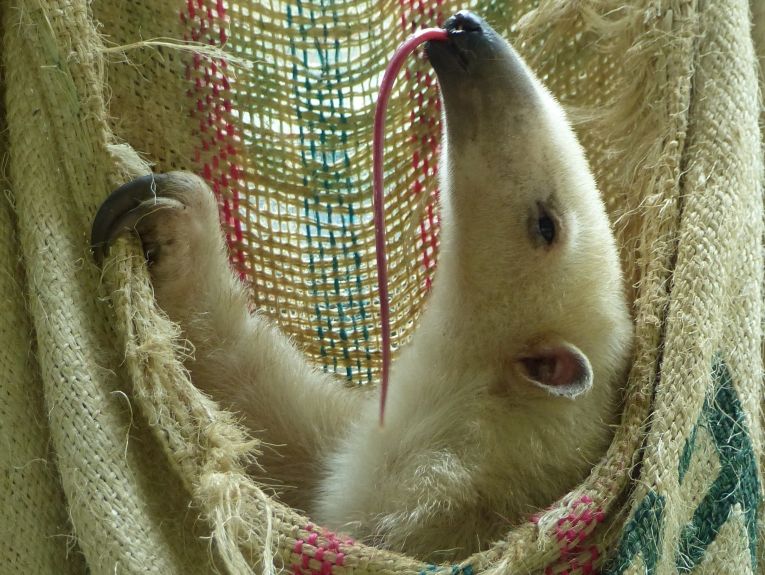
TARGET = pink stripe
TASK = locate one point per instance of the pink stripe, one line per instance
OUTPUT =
(320, 547)
(211, 96)
(427, 112)
(571, 532)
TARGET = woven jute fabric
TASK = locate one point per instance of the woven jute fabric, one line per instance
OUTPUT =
(34, 534)
(112, 462)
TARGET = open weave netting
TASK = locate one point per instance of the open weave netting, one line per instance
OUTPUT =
(112, 462)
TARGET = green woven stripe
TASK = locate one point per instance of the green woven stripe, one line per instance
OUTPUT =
(340, 303)
(737, 483)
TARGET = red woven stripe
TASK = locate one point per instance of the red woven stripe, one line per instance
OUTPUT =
(571, 532)
(319, 552)
(217, 153)
(427, 111)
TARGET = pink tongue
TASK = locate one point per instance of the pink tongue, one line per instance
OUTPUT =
(409, 45)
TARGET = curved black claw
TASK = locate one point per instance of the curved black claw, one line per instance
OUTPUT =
(119, 212)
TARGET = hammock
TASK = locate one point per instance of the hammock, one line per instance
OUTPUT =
(112, 462)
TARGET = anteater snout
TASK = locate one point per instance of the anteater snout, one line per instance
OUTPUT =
(464, 22)
(468, 45)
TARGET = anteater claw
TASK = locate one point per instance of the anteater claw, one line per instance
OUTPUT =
(121, 211)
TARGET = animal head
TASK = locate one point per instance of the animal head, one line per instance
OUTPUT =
(527, 250)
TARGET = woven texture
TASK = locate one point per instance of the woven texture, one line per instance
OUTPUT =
(112, 462)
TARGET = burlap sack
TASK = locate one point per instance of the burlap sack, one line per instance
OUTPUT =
(112, 462)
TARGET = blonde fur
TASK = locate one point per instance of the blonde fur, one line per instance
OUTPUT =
(471, 445)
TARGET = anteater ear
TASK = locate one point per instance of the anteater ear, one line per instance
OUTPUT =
(559, 368)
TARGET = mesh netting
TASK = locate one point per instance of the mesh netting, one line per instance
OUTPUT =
(286, 142)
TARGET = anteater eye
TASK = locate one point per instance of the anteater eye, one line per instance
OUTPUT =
(543, 225)
(546, 228)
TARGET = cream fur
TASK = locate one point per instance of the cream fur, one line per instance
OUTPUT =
(470, 447)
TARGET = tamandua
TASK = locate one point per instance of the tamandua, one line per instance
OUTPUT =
(506, 394)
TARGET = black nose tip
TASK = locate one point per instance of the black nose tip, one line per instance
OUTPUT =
(464, 21)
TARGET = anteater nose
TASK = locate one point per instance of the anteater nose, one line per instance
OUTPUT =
(464, 21)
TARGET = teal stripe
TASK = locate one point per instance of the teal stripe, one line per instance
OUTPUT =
(330, 218)
(447, 570)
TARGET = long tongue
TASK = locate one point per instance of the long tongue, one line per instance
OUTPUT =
(409, 45)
